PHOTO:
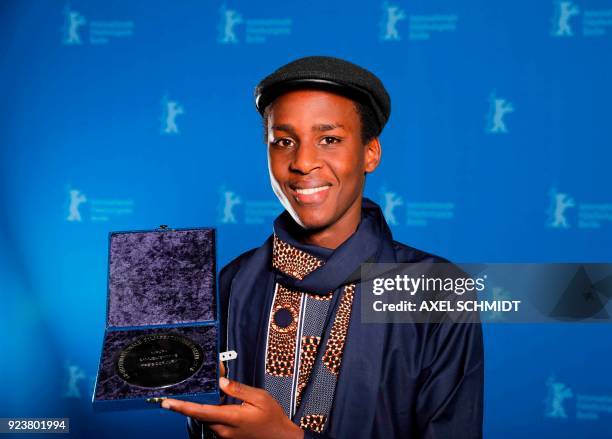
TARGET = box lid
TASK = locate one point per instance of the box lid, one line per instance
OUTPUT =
(161, 277)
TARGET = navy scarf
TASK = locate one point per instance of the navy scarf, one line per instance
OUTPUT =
(371, 242)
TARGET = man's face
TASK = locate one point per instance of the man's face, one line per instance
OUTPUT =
(316, 157)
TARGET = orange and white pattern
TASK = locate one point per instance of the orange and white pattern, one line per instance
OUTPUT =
(293, 261)
(332, 358)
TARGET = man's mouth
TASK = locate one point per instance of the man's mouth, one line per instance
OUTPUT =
(311, 190)
(310, 195)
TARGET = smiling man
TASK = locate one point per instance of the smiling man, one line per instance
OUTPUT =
(307, 366)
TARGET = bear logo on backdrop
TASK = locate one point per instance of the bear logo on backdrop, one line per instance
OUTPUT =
(253, 30)
(170, 110)
(99, 32)
(555, 398)
(229, 200)
(229, 19)
(76, 199)
(560, 202)
(570, 20)
(498, 109)
(418, 214)
(391, 201)
(235, 209)
(73, 20)
(420, 26)
(95, 209)
(76, 384)
(564, 212)
(391, 15)
(73, 377)
(564, 403)
(564, 11)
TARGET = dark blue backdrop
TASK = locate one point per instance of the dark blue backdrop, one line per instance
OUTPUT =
(122, 115)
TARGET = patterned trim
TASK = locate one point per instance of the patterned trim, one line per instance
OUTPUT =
(292, 261)
(327, 296)
(332, 358)
(308, 355)
(313, 422)
(291, 354)
(281, 341)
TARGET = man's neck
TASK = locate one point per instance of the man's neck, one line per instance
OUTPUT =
(334, 235)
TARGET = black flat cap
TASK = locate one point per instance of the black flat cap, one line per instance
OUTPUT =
(330, 74)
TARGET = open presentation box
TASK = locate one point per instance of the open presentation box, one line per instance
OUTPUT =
(161, 335)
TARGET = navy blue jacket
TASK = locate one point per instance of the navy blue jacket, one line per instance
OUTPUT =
(398, 380)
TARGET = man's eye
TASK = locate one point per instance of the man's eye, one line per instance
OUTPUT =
(328, 140)
(284, 142)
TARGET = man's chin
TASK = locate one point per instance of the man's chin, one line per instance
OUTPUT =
(314, 226)
(309, 220)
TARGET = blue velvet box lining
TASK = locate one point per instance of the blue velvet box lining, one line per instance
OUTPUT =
(161, 277)
(110, 386)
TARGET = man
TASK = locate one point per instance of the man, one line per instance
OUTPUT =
(307, 366)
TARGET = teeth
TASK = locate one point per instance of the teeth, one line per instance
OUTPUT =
(311, 190)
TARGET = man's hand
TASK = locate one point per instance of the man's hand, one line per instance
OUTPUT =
(259, 416)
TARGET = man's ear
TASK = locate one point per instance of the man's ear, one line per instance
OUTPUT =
(373, 151)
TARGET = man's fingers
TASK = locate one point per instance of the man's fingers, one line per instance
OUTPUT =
(219, 414)
(221, 430)
(248, 394)
(221, 369)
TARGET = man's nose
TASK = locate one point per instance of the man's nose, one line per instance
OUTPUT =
(305, 159)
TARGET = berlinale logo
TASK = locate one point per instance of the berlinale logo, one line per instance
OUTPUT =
(559, 203)
(170, 110)
(498, 108)
(229, 199)
(76, 199)
(392, 200)
(557, 394)
(564, 11)
(74, 374)
(73, 20)
(229, 19)
(392, 14)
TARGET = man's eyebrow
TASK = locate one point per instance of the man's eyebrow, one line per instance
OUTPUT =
(284, 127)
(319, 127)
(326, 126)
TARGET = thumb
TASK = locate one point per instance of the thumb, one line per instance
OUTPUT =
(248, 394)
